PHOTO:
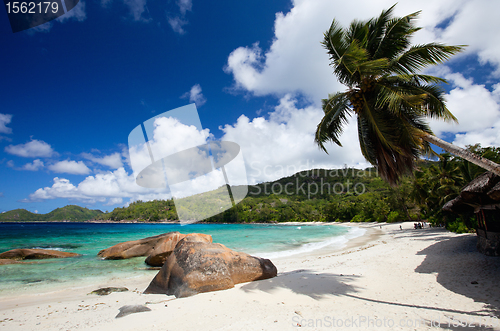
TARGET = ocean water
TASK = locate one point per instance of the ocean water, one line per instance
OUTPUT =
(270, 241)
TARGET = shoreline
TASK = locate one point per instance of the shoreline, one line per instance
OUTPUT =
(425, 275)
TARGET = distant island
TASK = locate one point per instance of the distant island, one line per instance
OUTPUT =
(71, 213)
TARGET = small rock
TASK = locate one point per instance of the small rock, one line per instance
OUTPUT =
(474, 282)
(108, 290)
(131, 309)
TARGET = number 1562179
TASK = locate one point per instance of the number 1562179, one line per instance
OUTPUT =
(32, 7)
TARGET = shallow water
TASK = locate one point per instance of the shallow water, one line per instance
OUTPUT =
(88, 239)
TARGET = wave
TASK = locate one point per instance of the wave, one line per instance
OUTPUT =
(336, 242)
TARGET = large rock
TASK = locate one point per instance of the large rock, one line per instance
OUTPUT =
(197, 265)
(156, 248)
(32, 254)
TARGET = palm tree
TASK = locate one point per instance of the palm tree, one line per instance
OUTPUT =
(379, 66)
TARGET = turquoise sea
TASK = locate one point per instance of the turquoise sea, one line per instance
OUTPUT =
(270, 241)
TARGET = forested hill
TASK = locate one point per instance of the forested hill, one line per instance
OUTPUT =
(313, 195)
(70, 213)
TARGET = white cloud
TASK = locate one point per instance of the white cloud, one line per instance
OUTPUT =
(70, 167)
(4, 120)
(77, 13)
(195, 95)
(113, 161)
(184, 6)
(137, 9)
(33, 148)
(284, 144)
(476, 108)
(36, 165)
(476, 24)
(177, 22)
(109, 188)
(61, 188)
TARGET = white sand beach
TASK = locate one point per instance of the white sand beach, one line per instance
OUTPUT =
(388, 279)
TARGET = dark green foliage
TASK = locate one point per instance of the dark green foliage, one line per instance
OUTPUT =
(436, 183)
(149, 211)
(322, 195)
(70, 213)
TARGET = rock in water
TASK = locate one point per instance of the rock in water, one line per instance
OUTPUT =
(197, 265)
(108, 290)
(130, 309)
(157, 248)
(31, 254)
(9, 261)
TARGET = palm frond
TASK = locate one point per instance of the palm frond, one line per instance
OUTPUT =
(336, 109)
(435, 106)
(396, 37)
(334, 42)
(377, 29)
(418, 57)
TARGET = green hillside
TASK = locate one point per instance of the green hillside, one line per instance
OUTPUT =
(70, 213)
(20, 215)
(314, 195)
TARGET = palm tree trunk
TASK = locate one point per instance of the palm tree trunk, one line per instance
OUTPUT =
(465, 154)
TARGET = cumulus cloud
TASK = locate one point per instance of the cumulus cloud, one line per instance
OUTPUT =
(476, 24)
(466, 100)
(113, 161)
(4, 120)
(109, 188)
(195, 95)
(33, 166)
(476, 108)
(296, 61)
(33, 148)
(70, 167)
(283, 144)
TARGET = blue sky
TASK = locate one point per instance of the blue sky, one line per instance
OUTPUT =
(73, 89)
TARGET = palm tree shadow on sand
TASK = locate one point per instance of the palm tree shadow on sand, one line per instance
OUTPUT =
(306, 282)
(461, 269)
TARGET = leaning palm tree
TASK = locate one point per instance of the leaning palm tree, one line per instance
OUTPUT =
(390, 99)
